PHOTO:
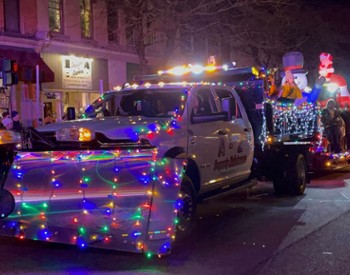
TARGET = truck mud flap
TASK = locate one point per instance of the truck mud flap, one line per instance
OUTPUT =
(123, 200)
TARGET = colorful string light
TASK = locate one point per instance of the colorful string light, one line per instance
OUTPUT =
(109, 199)
(289, 121)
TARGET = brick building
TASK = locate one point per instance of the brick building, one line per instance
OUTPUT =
(76, 55)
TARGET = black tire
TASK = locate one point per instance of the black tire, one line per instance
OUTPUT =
(186, 214)
(7, 203)
(280, 182)
(296, 175)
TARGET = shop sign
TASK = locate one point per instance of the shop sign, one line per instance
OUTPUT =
(76, 72)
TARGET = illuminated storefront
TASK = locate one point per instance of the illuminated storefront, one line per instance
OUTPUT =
(78, 82)
(21, 95)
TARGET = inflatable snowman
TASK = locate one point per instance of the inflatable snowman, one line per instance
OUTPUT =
(294, 62)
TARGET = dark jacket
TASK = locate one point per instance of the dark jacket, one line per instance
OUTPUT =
(345, 114)
(17, 126)
(328, 121)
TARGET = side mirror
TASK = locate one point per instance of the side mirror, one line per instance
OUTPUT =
(228, 105)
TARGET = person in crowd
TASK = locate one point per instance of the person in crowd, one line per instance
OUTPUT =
(7, 123)
(345, 114)
(332, 123)
(5, 114)
(342, 134)
(17, 125)
(48, 119)
(273, 91)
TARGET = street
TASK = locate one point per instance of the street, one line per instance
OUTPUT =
(251, 232)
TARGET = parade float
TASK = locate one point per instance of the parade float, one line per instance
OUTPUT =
(301, 116)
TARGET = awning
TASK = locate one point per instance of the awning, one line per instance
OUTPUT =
(27, 59)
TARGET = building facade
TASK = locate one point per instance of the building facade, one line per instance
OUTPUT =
(67, 55)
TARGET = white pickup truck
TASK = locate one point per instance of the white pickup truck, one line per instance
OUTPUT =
(128, 174)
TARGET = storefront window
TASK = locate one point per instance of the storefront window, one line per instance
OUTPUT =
(85, 18)
(55, 15)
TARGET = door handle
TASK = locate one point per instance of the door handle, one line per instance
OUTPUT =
(222, 132)
(247, 129)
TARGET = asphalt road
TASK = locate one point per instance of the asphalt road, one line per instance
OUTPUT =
(251, 232)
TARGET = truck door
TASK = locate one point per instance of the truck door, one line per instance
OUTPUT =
(240, 136)
(208, 138)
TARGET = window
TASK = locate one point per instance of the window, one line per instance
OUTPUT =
(149, 102)
(85, 18)
(11, 14)
(131, 32)
(224, 94)
(204, 103)
(112, 21)
(55, 15)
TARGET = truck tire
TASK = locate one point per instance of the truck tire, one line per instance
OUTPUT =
(187, 212)
(280, 182)
(296, 175)
(7, 203)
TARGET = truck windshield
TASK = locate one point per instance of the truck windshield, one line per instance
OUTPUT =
(147, 102)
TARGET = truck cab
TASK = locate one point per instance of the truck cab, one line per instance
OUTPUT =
(195, 125)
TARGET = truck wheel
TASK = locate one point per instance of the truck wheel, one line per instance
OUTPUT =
(280, 182)
(187, 212)
(7, 203)
(296, 175)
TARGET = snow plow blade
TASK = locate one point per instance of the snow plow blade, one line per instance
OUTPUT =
(120, 200)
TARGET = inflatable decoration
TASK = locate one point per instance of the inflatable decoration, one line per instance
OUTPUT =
(293, 65)
(343, 95)
(334, 85)
(294, 62)
(326, 65)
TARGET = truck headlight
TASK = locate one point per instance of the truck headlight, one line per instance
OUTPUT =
(9, 137)
(75, 134)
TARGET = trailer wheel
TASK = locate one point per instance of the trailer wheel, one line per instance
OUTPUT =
(187, 212)
(296, 174)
